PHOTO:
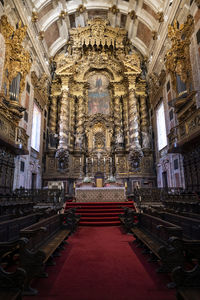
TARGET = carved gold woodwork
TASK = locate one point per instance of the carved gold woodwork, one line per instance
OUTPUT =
(17, 60)
(114, 10)
(63, 14)
(98, 50)
(178, 57)
(154, 35)
(186, 130)
(132, 15)
(81, 9)
(34, 17)
(41, 35)
(156, 83)
(10, 132)
(160, 17)
(40, 88)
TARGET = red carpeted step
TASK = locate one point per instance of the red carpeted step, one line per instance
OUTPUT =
(99, 203)
(97, 223)
(100, 210)
(99, 219)
(98, 206)
(99, 213)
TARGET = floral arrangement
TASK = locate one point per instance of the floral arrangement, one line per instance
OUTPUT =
(111, 179)
(87, 179)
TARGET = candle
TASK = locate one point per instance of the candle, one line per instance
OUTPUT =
(80, 160)
(104, 160)
(92, 161)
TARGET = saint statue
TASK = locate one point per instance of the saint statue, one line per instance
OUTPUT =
(120, 138)
(79, 139)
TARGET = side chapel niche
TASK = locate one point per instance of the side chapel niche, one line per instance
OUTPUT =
(98, 109)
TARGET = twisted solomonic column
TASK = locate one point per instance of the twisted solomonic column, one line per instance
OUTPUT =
(144, 122)
(53, 114)
(72, 120)
(64, 120)
(80, 123)
(80, 115)
(134, 121)
(125, 120)
(117, 115)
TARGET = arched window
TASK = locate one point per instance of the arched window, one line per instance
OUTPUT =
(161, 127)
(14, 88)
(36, 127)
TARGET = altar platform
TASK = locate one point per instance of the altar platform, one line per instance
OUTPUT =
(100, 194)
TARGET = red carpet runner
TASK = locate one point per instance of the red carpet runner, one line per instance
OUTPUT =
(99, 213)
(102, 263)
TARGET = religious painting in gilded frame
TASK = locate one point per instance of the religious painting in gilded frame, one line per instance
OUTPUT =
(98, 95)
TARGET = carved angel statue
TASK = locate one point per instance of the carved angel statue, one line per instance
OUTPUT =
(145, 140)
(79, 139)
(120, 138)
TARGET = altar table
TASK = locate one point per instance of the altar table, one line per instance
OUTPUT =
(103, 194)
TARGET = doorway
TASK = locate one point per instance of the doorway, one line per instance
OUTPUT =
(164, 179)
(33, 181)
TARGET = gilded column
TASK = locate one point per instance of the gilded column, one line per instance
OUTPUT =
(53, 114)
(125, 119)
(79, 138)
(72, 120)
(117, 115)
(64, 120)
(80, 115)
(144, 122)
(134, 130)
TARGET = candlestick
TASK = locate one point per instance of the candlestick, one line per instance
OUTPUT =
(86, 166)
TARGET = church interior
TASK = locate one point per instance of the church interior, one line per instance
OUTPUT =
(100, 149)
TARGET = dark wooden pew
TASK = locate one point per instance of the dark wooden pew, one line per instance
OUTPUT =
(38, 243)
(155, 234)
(10, 229)
(11, 284)
(190, 241)
(14, 204)
(190, 226)
(10, 233)
(72, 219)
(187, 283)
(6, 218)
(128, 218)
(183, 202)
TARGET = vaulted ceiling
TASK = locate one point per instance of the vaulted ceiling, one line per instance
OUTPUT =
(146, 21)
(141, 18)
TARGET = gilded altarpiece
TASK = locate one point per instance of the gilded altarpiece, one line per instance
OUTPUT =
(98, 108)
(15, 64)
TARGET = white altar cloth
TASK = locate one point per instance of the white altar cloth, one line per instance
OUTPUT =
(103, 194)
